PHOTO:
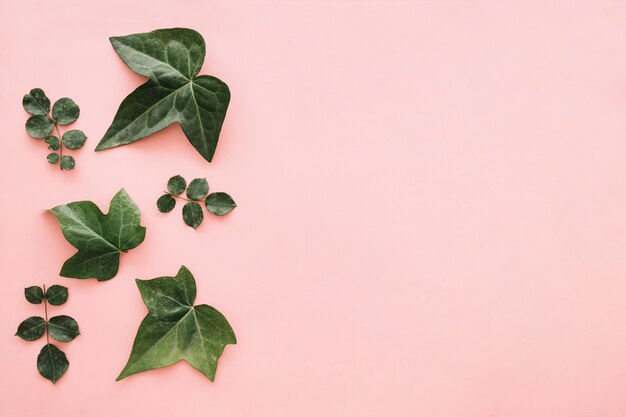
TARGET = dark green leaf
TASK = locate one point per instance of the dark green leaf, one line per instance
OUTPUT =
(176, 185)
(74, 139)
(53, 158)
(65, 111)
(63, 328)
(171, 58)
(34, 294)
(53, 142)
(99, 238)
(166, 203)
(67, 162)
(52, 363)
(39, 126)
(192, 214)
(56, 295)
(197, 189)
(36, 102)
(219, 203)
(32, 328)
(175, 329)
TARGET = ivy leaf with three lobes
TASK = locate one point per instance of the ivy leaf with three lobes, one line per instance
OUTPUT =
(174, 92)
(100, 238)
(175, 329)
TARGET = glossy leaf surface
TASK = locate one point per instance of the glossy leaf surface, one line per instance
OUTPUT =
(65, 111)
(53, 143)
(34, 294)
(67, 162)
(52, 362)
(39, 126)
(63, 328)
(192, 214)
(56, 295)
(198, 188)
(176, 330)
(53, 158)
(36, 102)
(219, 203)
(174, 93)
(99, 238)
(74, 139)
(31, 329)
(166, 203)
(176, 185)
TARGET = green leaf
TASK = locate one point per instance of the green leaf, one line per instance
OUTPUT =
(34, 294)
(176, 185)
(56, 295)
(99, 238)
(53, 158)
(175, 329)
(65, 111)
(31, 329)
(39, 126)
(53, 142)
(52, 362)
(192, 214)
(74, 139)
(171, 59)
(63, 328)
(197, 189)
(36, 102)
(166, 203)
(67, 162)
(219, 203)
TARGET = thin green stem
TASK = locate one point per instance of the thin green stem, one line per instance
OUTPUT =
(183, 198)
(45, 308)
(56, 126)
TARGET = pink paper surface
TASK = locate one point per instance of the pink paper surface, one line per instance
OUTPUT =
(431, 219)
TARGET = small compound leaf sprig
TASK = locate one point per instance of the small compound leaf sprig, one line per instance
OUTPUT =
(51, 362)
(217, 203)
(41, 123)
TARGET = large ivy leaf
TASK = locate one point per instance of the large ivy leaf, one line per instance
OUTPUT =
(99, 238)
(34, 294)
(175, 329)
(171, 59)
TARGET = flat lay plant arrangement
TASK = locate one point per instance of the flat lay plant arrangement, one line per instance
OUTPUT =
(175, 328)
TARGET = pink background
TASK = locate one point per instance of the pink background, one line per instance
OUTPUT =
(431, 220)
